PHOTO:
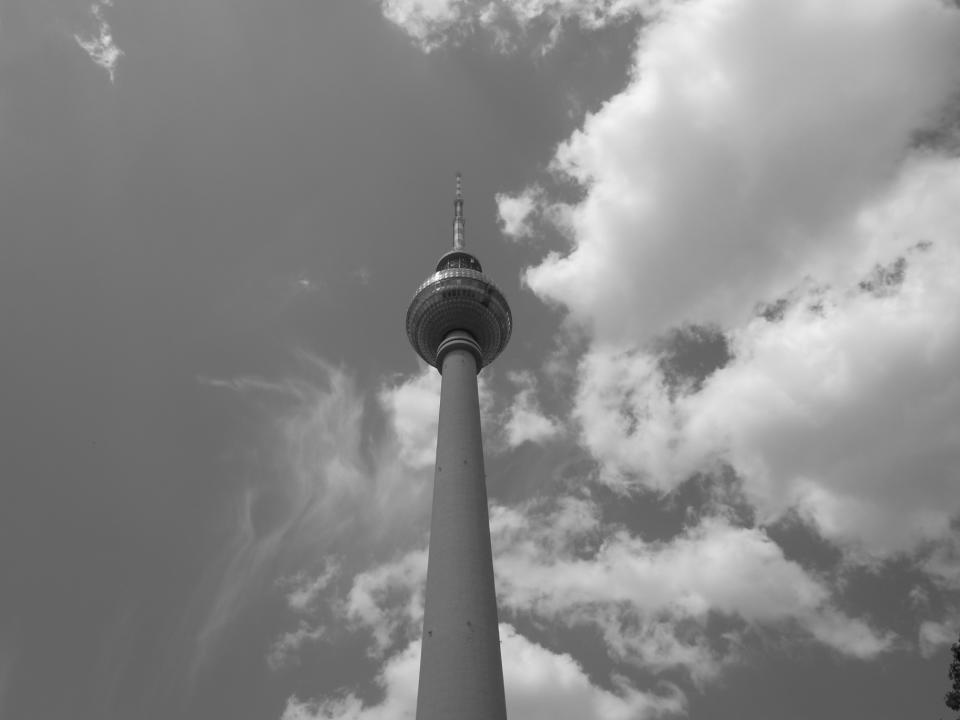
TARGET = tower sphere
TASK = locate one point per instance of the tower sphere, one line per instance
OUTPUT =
(458, 297)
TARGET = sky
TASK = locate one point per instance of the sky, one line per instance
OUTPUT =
(722, 447)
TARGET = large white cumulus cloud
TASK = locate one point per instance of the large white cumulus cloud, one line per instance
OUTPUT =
(737, 160)
(765, 152)
(846, 408)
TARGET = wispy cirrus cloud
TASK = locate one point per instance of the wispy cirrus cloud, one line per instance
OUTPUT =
(312, 478)
(101, 46)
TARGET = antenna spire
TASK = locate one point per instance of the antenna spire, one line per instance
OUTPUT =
(458, 221)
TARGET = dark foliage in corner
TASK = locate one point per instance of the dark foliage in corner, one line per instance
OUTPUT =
(952, 698)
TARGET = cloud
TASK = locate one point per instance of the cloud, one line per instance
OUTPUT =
(651, 601)
(286, 647)
(388, 600)
(525, 422)
(413, 405)
(435, 23)
(767, 157)
(758, 192)
(313, 479)
(101, 47)
(398, 679)
(312, 430)
(738, 159)
(329, 485)
(655, 605)
(845, 408)
(515, 212)
(304, 591)
(309, 597)
(539, 685)
(943, 563)
(761, 174)
(543, 685)
(934, 635)
(426, 21)
(385, 600)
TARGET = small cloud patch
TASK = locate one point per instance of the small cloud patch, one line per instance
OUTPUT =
(101, 46)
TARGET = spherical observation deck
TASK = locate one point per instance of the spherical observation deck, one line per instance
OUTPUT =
(458, 296)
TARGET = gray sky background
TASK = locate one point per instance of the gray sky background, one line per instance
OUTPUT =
(722, 445)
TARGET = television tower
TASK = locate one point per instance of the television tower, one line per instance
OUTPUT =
(459, 321)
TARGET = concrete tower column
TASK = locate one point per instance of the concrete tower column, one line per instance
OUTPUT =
(458, 321)
(460, 669)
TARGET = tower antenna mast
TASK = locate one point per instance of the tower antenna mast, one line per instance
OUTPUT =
(458, 221)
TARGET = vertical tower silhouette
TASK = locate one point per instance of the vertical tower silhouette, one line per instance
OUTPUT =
(458, 321)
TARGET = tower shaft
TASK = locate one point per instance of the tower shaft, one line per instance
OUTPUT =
(459, 322)
(461, 676)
